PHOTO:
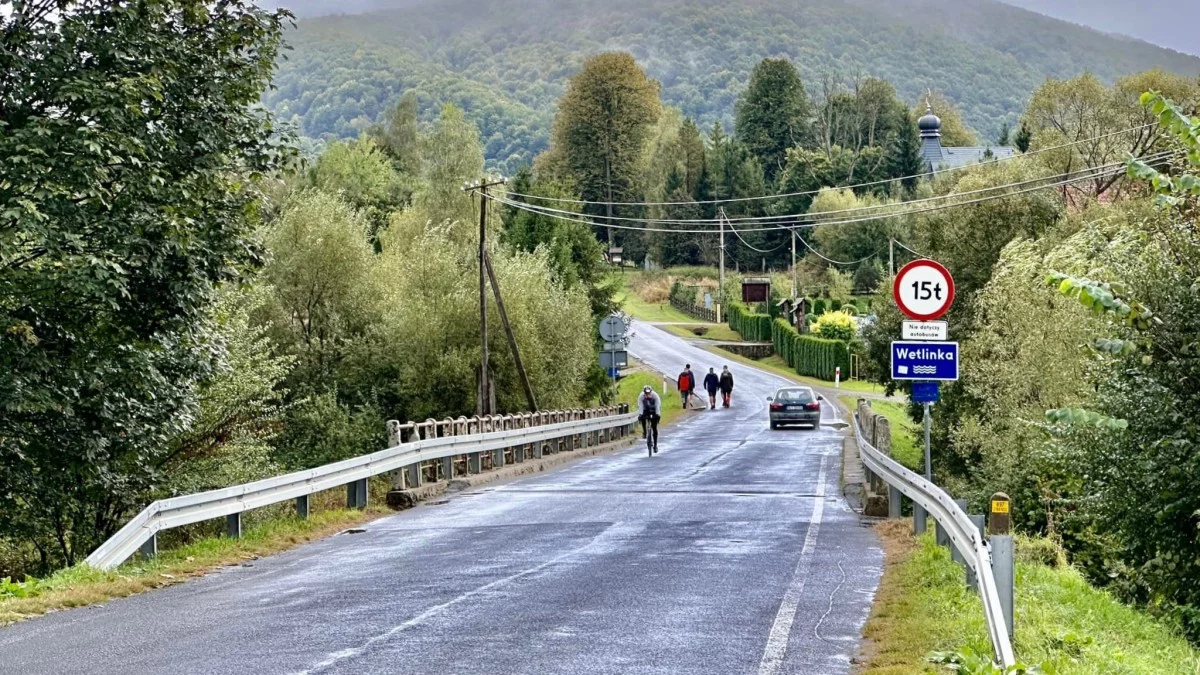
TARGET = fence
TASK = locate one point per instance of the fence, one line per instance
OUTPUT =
(963, 533)
(435, 449)
(695, 311)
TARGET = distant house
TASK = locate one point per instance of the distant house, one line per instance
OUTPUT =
(938, 158)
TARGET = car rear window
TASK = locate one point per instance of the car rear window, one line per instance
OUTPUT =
(795, 395)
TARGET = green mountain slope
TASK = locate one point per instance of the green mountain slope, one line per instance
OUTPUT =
(505, 62)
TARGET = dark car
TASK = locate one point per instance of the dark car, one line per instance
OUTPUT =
(795, 405)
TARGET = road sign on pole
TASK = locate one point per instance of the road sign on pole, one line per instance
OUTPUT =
(934, 331)
(923, 290)
(925, 392)
(924, 360)
(613, 328)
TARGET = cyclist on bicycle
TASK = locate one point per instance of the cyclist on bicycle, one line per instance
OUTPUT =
(649, 413)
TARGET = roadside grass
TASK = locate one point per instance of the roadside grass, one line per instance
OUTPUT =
(1062, 623)
(630, 387)
(653, 312)
(905, 448)
(706, 331)
(82, 585)
(778, 366)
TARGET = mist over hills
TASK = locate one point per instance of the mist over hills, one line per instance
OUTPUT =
(506, 62)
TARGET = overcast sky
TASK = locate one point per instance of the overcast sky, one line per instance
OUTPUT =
(1170, 23)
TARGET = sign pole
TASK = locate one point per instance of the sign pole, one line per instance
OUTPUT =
(919, 516)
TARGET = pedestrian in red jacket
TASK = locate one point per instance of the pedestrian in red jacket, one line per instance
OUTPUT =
(687, 384)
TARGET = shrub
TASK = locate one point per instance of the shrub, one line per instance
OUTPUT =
(750, 325)
(835, 326)
(808, 355)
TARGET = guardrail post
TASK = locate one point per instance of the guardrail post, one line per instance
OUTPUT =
(894, 505)
(302, 506)
(233, 525)
(972, 581)
(356, 494)
(939, 535)
(474, 462)
(448, 467)
(955, 555)
(920, 519)
(150, 548)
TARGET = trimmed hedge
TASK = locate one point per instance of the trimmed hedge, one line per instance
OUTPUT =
(751, 326)
(808, 355)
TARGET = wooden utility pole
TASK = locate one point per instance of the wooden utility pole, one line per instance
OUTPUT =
(484, 405)
(512, 341)
(793, 232)
(721, 275)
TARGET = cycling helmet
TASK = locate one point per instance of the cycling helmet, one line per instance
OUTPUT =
(647, 389)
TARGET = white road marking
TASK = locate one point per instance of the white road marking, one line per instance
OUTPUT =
(781, 629)
(618, 531)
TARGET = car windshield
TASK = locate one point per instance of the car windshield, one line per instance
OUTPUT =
(794, 395)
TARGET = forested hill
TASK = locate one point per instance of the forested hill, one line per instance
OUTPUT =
(506, 61)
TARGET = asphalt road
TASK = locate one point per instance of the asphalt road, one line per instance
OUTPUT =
(731, 551)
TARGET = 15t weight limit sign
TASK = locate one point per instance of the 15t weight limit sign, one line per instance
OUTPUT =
(923, 290)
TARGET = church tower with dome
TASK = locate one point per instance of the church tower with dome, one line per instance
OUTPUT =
(938, 157)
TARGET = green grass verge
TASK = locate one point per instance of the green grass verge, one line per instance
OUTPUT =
(640, 309)
(905, 448)
(1062, 623)
(707, 331)
(83, 585)
(629, 388)
(775, 364)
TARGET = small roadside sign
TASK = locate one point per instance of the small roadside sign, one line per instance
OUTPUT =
(616, 346)
(935, 331)
(923, 290)
(924, 360)
(925, 392)
(614, 359)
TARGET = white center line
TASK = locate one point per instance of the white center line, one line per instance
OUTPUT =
(781, 629)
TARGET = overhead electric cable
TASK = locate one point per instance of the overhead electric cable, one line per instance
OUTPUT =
(565, 200)
(816, 217)
(837, 262)
(791, 225)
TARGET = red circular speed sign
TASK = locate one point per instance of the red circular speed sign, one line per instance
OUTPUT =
(923, 290)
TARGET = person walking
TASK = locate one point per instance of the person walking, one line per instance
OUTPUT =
(687, 384)
(711, 384)
(726, 384)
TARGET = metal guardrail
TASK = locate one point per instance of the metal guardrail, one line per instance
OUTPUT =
(231, 501)
(964, 535)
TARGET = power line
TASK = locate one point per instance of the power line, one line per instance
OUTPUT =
(816, 217)
(1088, 175)
(836, 262)
(901, 245)
(748, 244)
(934, 172)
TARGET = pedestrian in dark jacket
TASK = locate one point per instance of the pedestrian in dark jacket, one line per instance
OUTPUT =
(726, 386)
(687, 384)
(711, 384)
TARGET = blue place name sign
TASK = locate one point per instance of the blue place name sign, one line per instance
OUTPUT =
(924, 360)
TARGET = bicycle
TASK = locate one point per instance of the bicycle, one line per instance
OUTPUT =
(650, 433)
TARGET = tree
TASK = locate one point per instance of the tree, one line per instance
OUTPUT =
(131, 153)
(572, 250)
(398, 136)
(603, 119)
(904, 158)
(1005, 136)
(773, 114)
(955, 132)
(1023, 138)
(1084, 124)
(854, 242)
(364, 175)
